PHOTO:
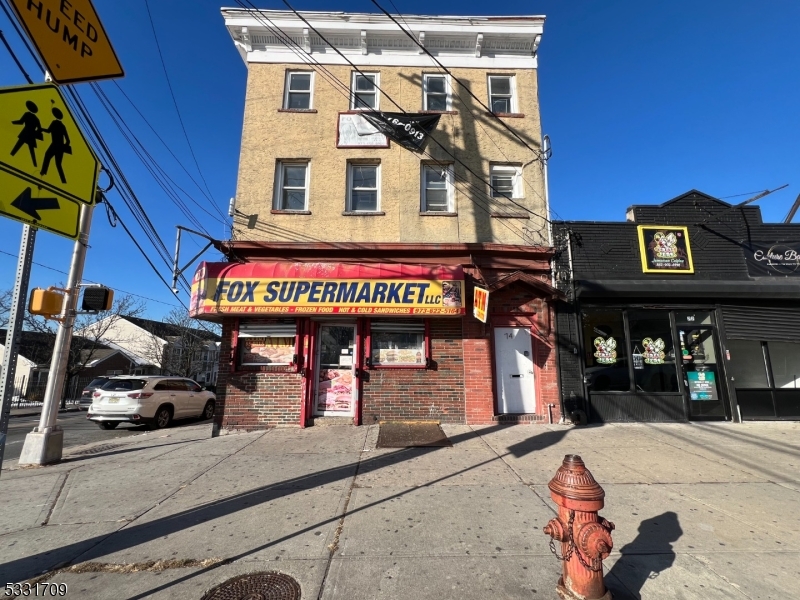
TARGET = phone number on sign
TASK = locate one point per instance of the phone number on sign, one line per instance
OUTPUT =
(35, 589)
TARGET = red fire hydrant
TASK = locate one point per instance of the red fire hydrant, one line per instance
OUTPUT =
(585, 536)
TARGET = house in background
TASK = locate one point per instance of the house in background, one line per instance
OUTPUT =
(159, 348)
(24, 370)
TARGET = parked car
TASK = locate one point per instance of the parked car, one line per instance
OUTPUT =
(149, 400)
(86, 395)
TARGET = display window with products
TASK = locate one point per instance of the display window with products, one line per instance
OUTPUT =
(398, 344)
(266, 345)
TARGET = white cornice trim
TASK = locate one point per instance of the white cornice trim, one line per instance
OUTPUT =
(373, 39)
(401, 60)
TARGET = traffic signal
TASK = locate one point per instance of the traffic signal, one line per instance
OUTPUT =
(45, 303)
(96, 299)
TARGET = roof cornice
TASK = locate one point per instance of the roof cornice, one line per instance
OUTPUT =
(373, 39)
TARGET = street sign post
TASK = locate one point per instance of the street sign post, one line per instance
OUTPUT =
(70, 39)
(37, 206)
(41, 143)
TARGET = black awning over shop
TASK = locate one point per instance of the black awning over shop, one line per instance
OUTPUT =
(709, 290)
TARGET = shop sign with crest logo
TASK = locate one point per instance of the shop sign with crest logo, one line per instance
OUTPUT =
(606, 351)
(665, 249)
(653, 351)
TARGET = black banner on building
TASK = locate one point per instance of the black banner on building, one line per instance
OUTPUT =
(665, 249)
(772, 260)
(407, 129)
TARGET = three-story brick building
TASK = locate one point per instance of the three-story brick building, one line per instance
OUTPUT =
(353, 259)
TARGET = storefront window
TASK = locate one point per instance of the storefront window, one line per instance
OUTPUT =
(267, 345)
(747, 364)
(652, 351)
(398, 343)
(785, 360)
(605, 352)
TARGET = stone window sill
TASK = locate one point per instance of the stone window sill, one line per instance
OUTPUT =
(298, 110)
(507, 115)
(435, 213)
(439, 112)
(362, 213)
(510, 216)
(289, 212)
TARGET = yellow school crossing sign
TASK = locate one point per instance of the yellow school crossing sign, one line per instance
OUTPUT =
(40, 143)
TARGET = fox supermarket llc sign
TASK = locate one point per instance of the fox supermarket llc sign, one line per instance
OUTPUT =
(318, 288)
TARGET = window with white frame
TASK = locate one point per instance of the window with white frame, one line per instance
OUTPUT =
(506, 181)
(272, 344)
(436, 90)
(437, 188)
(363, 186)
(292, 186)
(298, 90)
(397, 343)
(364, 91)
(501, 94)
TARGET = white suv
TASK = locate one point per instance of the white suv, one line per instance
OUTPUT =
(150, 400)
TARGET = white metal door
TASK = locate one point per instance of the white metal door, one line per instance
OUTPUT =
(513, 357)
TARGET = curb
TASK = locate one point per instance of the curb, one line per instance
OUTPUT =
(34, 413)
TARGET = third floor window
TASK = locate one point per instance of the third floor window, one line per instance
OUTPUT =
(436, 92)
(501, 94)
(364, 88)
(298, 90)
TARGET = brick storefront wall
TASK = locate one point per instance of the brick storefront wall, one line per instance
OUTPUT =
(419, 394)
(459, 389)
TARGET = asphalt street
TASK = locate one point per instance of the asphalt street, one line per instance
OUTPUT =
(77, 431)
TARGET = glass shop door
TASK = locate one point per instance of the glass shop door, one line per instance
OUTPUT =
(701, 372)
(335, 391)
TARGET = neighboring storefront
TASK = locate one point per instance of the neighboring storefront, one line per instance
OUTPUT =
(370, 341)
(689, 310)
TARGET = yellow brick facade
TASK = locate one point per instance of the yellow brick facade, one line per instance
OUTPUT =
(475, 137)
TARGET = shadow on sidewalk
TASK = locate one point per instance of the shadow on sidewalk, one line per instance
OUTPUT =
(646, 557)
(136, 534)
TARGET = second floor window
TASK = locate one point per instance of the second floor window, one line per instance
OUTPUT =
(437, 188)
(501, 94)
(364, 91)
(436, 92)
(506, 181)
(292, 186)
(298, 91)
(363, 186)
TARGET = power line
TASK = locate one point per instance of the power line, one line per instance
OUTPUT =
(345, 91)
(172, 94)
(446, 70)
(49, 268)
(14, 56)
(287, 41)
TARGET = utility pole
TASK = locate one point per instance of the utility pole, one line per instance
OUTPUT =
(45, 443)
(14, 328)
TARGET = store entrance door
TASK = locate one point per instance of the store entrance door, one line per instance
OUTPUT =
(701, 372)
(335, 391)
(513, 356)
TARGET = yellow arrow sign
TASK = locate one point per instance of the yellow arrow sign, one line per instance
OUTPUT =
(38, 206)
(70, 39)
(41, 142)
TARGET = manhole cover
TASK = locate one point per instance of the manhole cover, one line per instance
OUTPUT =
(256, 586)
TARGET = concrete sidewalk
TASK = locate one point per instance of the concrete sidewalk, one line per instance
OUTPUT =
(703, 511)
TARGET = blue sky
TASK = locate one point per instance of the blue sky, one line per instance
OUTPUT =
(643, 101)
